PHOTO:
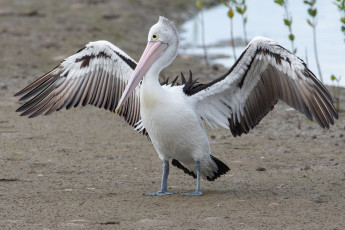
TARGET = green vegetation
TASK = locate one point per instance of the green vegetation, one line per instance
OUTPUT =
(200, 5)
(312, 21)
(231, 13)
(241, 9)
(288, 22)
(341, 7)
(336, 90)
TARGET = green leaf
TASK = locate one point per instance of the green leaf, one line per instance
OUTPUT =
(224, 3)
(245, 20)
(333, 78)
(291, 37)
(199, 4)
(239, 10)
(310, 23)
(315, 10)
(231, 13)
(287, 22)
(279, 2)
(312, 12)
(309, 11)
(340, 5)
(307, 2)
(294, 51)
(342, 20)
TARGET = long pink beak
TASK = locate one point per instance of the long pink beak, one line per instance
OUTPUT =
(152, 51)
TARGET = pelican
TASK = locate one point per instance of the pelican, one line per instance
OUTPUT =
(172, 115)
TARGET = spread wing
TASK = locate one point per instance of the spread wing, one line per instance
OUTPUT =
(264, 73)
(96, 75)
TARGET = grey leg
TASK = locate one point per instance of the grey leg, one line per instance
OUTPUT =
(197, 191)
(164, 185)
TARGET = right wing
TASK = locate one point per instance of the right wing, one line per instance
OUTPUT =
(264, 73)
(96, 75)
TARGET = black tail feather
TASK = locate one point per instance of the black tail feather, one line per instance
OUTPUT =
(222, 168)
(177, 164)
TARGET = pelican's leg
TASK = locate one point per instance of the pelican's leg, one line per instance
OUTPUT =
(197, 191)
(164, 185)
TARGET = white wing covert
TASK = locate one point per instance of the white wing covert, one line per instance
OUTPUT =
(264, 73)
(96, 75)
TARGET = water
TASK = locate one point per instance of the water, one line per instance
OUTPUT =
(265, 18)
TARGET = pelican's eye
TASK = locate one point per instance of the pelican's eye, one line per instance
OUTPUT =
(155, 37)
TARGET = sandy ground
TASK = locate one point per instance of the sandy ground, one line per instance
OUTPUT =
(87, 169)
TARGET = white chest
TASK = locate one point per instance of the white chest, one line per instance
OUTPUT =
(174, 128)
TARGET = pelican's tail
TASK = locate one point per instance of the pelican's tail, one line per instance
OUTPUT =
(207, 174)
(222, 169)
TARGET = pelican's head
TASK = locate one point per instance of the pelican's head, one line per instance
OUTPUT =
(160, 51)
(164, 36)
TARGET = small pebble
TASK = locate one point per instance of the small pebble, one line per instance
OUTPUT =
(109, 222)
(260, 169)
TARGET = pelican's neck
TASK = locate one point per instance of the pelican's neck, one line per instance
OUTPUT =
(151, 92)
(151, 77)
(150, 80)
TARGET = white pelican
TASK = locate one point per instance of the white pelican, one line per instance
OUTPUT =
(172, 115)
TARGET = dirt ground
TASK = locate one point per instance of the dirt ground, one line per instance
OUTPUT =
(87, 169)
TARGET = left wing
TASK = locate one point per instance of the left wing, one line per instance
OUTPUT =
(264, 73)
(95, 75)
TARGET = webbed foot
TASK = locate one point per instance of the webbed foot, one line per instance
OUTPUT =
(160, 193)
(196, 193)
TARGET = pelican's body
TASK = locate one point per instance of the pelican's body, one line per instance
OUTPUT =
(175, 129)
(173, 126)
(174, 115)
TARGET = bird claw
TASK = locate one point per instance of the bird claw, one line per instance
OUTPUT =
(196, 193)
(160, 193)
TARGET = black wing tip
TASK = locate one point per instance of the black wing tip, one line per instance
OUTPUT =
(33, 115)
(25, 114)
(25, 97)
(20, 93)
(17, 94)
(222, 169)
(336, 115)
(327, 100)
(20, 109)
